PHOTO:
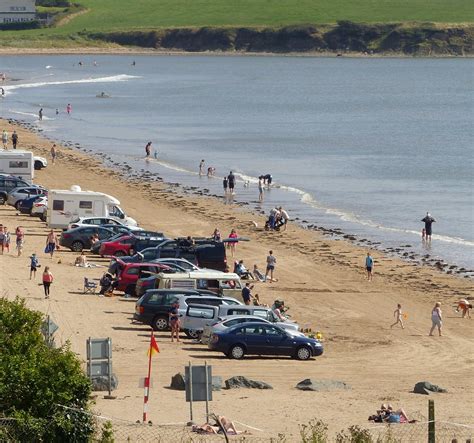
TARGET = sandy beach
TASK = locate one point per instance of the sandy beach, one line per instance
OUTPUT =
(321, 279)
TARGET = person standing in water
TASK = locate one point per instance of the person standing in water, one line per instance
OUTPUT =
(428, 221)
(260, 189)
(201, 167)
(148, 149)
(40, 114)
(225, 184)
(69, 108)
(231, 180)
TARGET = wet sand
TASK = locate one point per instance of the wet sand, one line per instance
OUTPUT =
(321, 279)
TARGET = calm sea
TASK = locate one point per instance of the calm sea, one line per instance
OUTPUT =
(365, 145)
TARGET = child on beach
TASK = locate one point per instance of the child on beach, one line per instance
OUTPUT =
(34, 265)
(6, 240)
(398, 317)
(369, 265)
(20, 239)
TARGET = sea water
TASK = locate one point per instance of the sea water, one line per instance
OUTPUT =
(367, 145)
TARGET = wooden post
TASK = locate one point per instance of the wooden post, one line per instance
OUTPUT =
(431, 422)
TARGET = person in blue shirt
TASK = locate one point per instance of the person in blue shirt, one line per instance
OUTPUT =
(369, 266)
(34, 265)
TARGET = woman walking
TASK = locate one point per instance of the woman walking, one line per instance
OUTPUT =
(174, 321)
(436, 318)
(51, 243)
(232, 244)
(20, 239)
(47, 280)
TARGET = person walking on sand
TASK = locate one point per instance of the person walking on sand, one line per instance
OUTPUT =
(148, 149)
(232, 244)
(5, 139)
(53, 154)
(231, 181)
(174, 321)
(201, 167)
(260, 189)
(47, 280)
(34, 265)
(428, 221)
(51, 243)
(40, 114)
(20, 239)
(69, 109)
(2, 236)
(398, 317)
(14, 139)
(369, 266)
(271, 262)
(247, 293)
(436, 319)
(6, 240)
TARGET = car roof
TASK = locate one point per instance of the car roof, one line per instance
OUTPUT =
(129, 264)
(251, 318)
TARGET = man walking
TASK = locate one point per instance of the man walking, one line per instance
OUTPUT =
(14, 139)
(247, 293)
(428, 220)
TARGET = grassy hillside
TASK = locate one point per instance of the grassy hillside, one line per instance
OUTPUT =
(122, 15)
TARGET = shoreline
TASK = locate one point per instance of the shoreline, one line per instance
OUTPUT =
(401, 252)
(321, 279)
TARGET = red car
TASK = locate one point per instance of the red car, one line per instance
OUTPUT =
(129, 273)
(121, 247)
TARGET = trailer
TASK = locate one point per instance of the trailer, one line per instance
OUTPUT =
(64, 206)
(18, 163)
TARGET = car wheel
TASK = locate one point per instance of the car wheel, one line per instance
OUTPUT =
(77, 246)
(192, 333)
(237, 352)
(160, 324)
(3, 199)
(119, 254)
(38, 165)
(43, 217)
(303, 353)
(17, 205)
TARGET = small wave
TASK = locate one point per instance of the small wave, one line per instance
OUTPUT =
(112, 78)
(29, 114)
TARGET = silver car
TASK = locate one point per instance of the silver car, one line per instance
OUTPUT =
(232, 320)
(18, 194)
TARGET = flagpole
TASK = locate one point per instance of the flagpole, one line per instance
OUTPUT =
(147, 382)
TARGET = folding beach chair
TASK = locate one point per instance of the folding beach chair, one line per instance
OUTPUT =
(89, 286)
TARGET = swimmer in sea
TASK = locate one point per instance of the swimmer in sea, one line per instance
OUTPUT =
(148, 149)
(201, 167)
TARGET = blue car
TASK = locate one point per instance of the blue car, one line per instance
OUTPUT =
(24, 206)
(261, 339)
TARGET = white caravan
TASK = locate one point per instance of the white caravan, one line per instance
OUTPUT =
(66, 205)
(18, 163)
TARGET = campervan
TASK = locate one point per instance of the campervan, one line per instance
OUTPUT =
(18, 163)
(64, 206)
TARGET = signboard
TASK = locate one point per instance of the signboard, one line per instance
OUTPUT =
(198, 383)
(99, 348)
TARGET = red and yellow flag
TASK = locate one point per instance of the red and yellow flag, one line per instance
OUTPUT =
(153, 349)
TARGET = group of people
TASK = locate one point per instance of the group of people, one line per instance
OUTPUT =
(68, 111)
(277, 219)
(5, 239)
(14, 139)
(386, 414)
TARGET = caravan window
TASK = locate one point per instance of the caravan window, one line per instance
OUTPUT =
(58, 205)
(85, 204)
(18, 164)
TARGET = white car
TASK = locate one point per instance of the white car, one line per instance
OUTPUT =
(40, 162)
(40, 208)
(81, 221)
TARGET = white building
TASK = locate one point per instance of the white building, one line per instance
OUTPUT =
(12, 11)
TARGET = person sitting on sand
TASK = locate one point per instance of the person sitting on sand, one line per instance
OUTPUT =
(257, 274)
(81, 261)
(398, 416)
(242, 271)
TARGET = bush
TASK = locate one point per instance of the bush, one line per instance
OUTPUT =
(36, 381)
(316, 431)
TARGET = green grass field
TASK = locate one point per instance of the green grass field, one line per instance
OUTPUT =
(116, 15)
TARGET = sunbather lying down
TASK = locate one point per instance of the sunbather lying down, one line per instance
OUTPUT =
(386, 414)
(226, 424)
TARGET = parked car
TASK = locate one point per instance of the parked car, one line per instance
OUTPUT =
(79, 238)
(25, 206)
(122, 246)
(8, 183)
(154, 306)
(40, 162)
(98, 221)
(129, 273)
(18, 194)
(96, 246)
(40, 208)
(221, 319)
(261, 339)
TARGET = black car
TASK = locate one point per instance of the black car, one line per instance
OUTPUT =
(154, 306)
(9, 183)
(79, 238)
(204, 252)
(24, 206)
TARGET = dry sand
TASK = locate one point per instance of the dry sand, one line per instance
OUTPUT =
(322, 280)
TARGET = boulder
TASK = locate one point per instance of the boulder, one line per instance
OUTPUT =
(102, 383)
(177, 382)
(321, 385)
(244, 382)
(216, 382)
(426, 388)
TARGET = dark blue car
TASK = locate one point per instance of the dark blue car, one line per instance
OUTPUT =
(24, 206)
(262, 339)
